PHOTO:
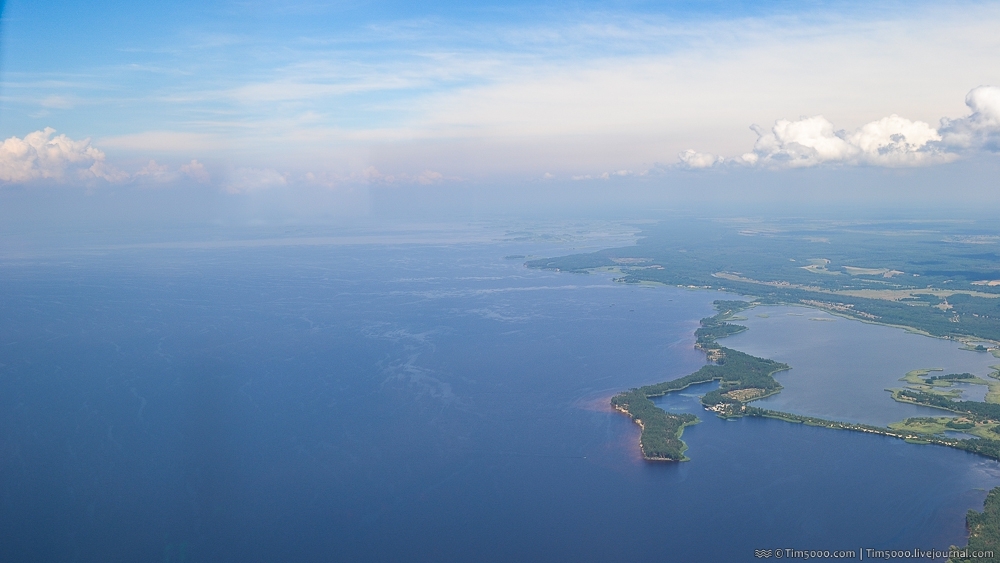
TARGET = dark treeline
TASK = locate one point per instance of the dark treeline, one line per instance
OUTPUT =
(715, 327)
(980, 446)
(984, 529)
(950, 377)
(978, 409)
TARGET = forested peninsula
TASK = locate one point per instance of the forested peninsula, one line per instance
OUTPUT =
(933, 281)
(741, 377)
(744, 378)
(921, 279)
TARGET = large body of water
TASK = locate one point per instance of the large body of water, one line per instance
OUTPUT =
(407, 402)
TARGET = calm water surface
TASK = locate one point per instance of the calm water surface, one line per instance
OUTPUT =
(841, 368)
(414, 402)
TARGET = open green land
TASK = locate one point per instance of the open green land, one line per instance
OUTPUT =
(944, 385)
(916, 377)
(975, 409)
(940, 424)
(931, 277)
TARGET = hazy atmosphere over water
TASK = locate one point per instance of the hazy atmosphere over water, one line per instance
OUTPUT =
(293, 110)
(303, 280)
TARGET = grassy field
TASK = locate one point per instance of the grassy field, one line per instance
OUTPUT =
(916, 377)
(918, 380)
(941, 424)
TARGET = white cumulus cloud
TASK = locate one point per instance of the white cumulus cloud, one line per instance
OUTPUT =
(890, 141)
(155, 172)
(373, 175)
(196, 171)
(43, 156)
(694, 159)
(894, 140)
(429, 177)
(981, 129)
(245, 180)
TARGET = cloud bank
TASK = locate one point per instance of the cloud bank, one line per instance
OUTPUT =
(40, 156)
(890, 141)
(246, 180)
(44, 157)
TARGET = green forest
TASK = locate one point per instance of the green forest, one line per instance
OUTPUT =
(984, 529)
(736, 371)
(977, 409)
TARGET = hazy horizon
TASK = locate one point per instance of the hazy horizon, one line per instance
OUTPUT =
(303, 112)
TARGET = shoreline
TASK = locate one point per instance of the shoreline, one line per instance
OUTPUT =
(729, 407)
(735, 370)
(832, 311)
(849, 305)
(642, 427)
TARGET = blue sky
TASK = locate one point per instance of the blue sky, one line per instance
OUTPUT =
(245, 97)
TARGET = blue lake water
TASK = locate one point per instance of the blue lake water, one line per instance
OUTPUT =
(841, 368)
(326, 401)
